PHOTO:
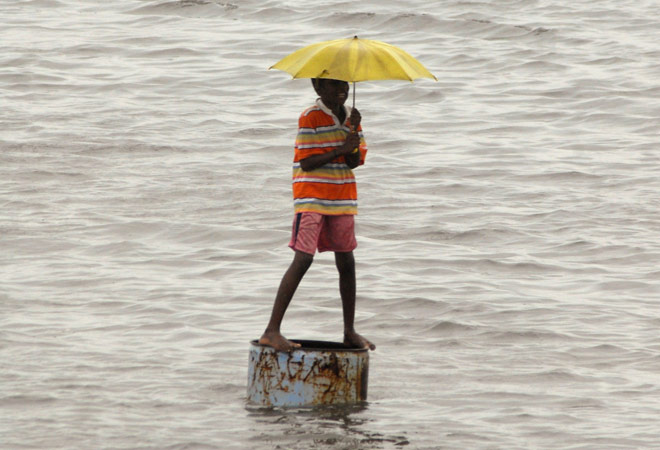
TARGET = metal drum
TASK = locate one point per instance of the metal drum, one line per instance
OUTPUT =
(317, 373)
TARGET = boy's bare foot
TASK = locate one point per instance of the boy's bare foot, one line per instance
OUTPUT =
(277, 341)
(352, 339)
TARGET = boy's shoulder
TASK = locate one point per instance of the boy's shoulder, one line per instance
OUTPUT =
(314, 117)
(312, 110)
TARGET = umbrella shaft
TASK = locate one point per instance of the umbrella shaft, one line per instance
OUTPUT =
(354, 94)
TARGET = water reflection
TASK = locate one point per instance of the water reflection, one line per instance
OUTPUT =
(319, 427)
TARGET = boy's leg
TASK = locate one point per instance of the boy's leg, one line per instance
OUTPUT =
(288, 286)
(346, 267)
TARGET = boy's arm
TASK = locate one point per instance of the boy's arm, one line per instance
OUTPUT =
(353, 158)
(315, 161)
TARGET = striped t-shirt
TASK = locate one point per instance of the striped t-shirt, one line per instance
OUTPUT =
(329, 189)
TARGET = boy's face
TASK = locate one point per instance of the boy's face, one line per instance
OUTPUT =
(333, 92)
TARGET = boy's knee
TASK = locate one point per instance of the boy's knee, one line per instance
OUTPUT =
(345, 262)
(303, 260)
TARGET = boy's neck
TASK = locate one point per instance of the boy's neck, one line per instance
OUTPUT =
(340, 113)
(338, 110)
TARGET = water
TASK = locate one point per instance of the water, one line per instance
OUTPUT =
(508, 229)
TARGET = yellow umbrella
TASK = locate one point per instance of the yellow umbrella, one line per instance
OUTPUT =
(353, 60)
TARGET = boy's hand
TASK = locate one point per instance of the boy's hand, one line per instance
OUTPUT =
(352, 142)
(355, 119)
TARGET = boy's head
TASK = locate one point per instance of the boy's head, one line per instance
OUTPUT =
(332, 92)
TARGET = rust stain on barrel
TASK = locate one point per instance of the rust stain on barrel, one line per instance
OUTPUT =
(309, 376)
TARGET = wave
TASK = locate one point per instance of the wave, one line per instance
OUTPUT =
(188, 8)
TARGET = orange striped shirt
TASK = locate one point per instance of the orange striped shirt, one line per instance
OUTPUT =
(329, 189)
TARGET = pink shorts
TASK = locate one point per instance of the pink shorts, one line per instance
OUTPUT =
(312, 231)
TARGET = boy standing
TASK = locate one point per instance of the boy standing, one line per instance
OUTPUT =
(328, 146)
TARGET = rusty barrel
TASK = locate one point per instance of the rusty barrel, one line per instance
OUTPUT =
(317, 373)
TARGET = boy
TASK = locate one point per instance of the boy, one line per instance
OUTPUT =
(328, 147)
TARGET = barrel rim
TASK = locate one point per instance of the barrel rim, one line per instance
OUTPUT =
(310, 345)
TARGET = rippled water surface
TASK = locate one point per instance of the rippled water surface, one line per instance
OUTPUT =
(508, 229)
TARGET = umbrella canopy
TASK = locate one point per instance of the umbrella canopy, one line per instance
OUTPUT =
(353, 60)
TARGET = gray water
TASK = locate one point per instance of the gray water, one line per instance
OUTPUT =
(508, 229)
